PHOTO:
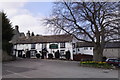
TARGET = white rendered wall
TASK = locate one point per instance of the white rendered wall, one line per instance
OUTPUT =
(68, 46)
(38, 47)
(23, 46)
(83, 51)
(108, 52)
(111, 52)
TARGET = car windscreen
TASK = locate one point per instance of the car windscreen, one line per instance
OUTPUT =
(112, 60)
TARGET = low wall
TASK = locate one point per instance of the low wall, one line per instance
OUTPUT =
(80, 57)
(111, 52)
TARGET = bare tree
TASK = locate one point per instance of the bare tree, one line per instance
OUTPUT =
(95, 22)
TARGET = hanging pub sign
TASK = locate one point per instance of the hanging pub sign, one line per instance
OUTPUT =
(53, 46)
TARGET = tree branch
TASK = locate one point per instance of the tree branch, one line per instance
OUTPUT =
(77, 24)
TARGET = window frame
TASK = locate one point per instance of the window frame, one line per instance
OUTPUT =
(33, 46)
(85, 48)
(62, 45)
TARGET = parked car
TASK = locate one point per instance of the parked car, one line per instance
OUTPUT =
(113, 61)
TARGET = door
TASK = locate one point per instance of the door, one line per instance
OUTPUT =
(19, 53)
(28, 54)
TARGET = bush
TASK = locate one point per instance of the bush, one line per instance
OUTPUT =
(23, 56)
(38, 55)
(67, 55)
(57, 55)
(104, 58)
(50, 56)
(95, 64)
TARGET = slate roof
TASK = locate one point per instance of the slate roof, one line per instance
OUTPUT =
(44, 39)
(113, 45)
(22, 34)
(84, 44)
(108, 45)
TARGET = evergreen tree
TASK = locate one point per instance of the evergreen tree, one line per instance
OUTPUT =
(7, 33)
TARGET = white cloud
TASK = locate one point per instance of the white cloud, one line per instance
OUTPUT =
(28, 22)
(29, 0)
(20, 16)
(6, 5)
(11, 8)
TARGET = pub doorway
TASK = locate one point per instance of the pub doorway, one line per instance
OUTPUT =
(20, 53)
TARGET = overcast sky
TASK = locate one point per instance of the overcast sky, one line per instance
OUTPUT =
(28, 15)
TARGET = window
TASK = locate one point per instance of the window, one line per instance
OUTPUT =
(32, 46)
(62, 45)
(106, 49)
(85, 48)
(112, 50)
(78, 49)
(90, 48)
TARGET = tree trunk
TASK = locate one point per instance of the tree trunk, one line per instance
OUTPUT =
(97, 53)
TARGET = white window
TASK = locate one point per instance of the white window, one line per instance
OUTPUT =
(32, 46)
(62, 45)
(85, 48)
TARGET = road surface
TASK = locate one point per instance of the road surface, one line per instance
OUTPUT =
(37, 68)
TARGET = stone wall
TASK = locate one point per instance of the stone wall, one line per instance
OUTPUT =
(81, 57)
(111, 52)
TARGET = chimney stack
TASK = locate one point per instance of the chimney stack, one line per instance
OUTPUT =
(28, 34)
(16, 27)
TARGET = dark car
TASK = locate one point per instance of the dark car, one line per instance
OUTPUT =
(112, 61)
